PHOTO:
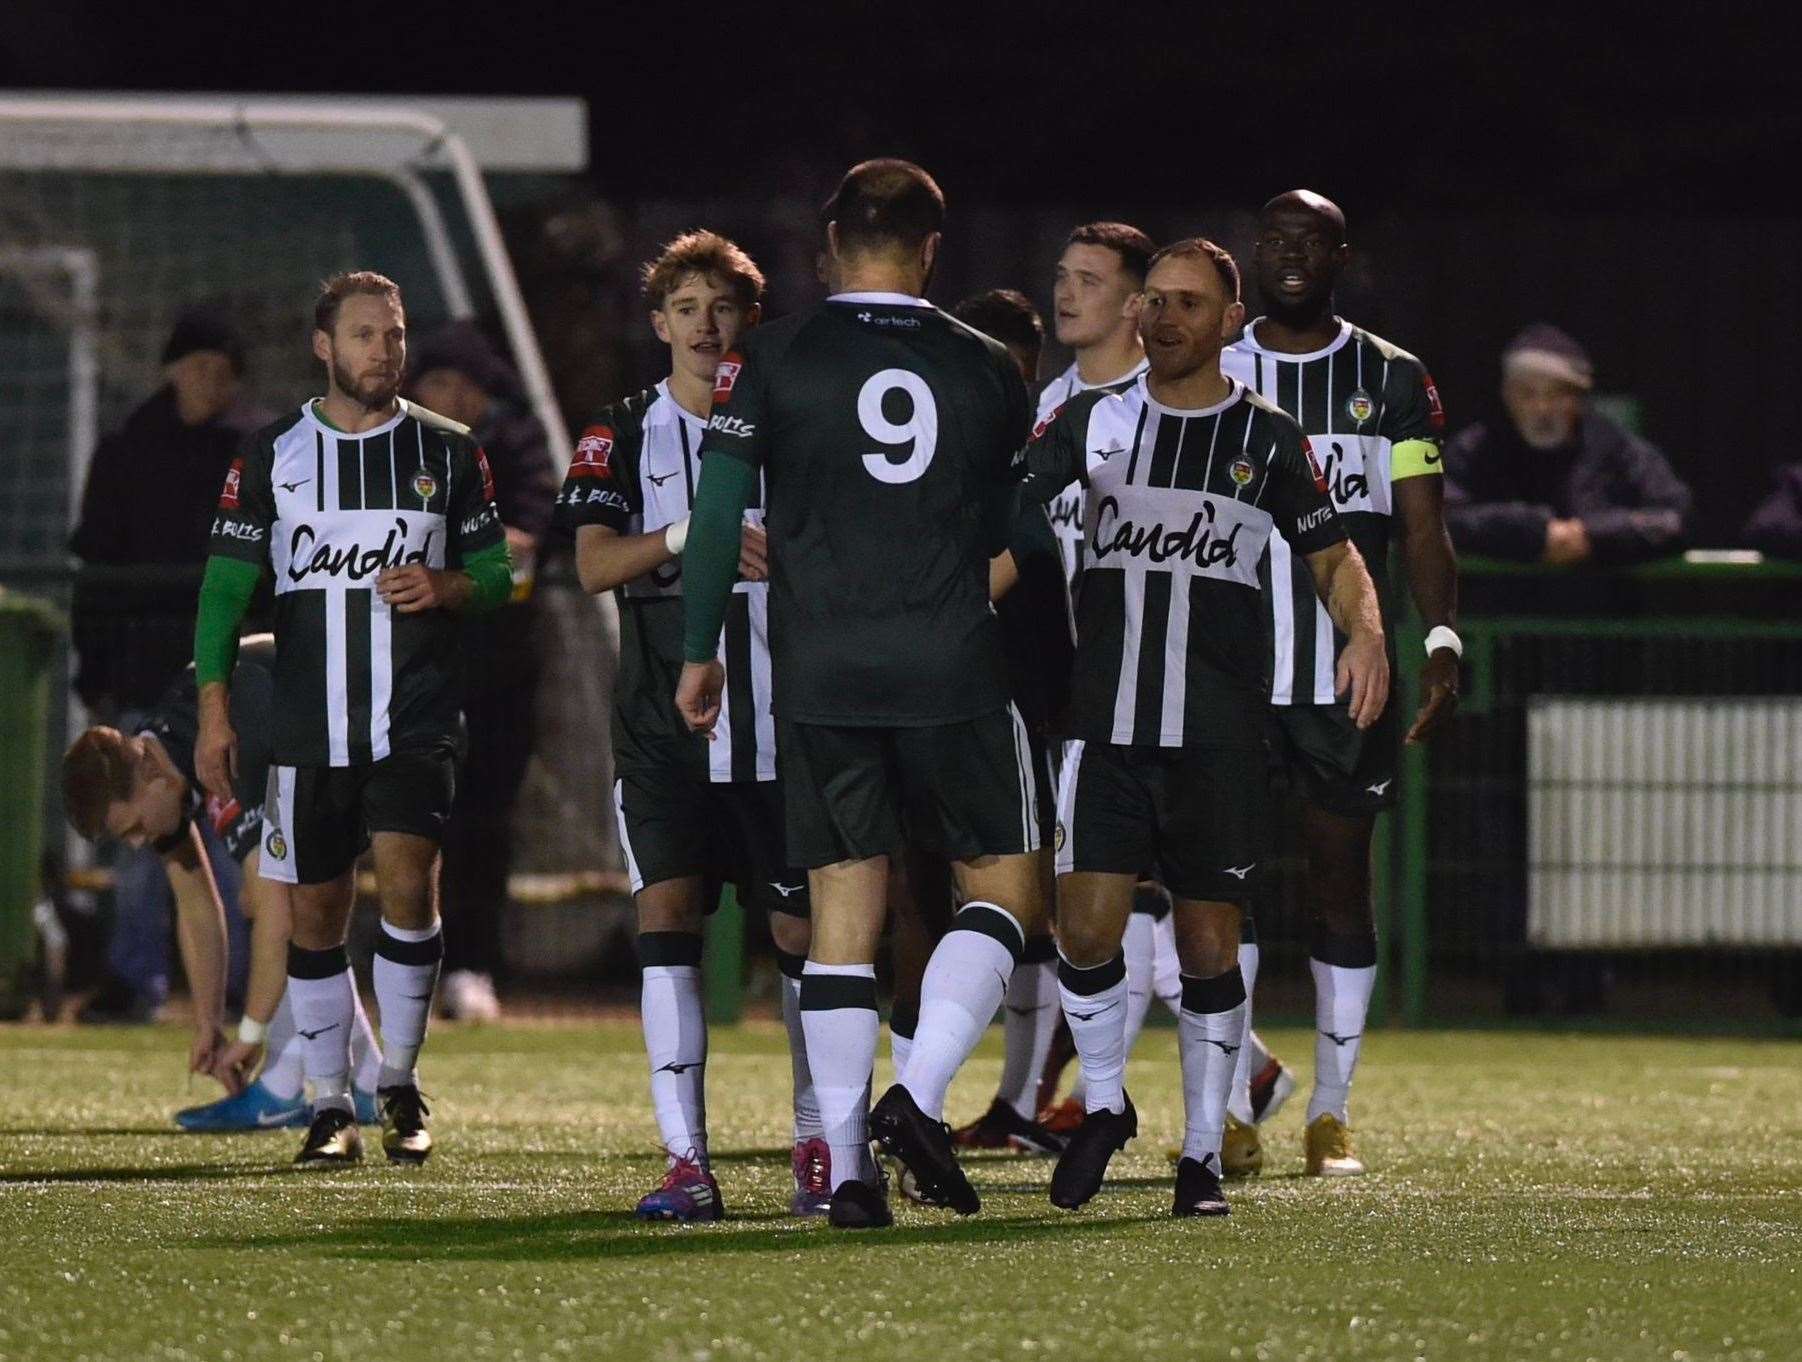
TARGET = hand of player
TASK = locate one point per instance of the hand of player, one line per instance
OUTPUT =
(414, 587)
(1363, 674)
(698, 695)
(1566, 543)
(235, 1063)
(203, 1053)
(1439, 686)
(216, 752)
(753, 554)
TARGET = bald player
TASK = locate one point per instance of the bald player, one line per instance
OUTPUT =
(1373, 417)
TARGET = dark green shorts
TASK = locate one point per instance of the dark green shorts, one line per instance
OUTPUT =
(1199, 816)
(1334, 764)
(959, 790)
(673, 825)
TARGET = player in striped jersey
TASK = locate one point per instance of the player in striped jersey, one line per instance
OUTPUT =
(692, 813)
(1096, 296)
(1188, 480)
(1095, 311)
(377, 520)
(1373, 416)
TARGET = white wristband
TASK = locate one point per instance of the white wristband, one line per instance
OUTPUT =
(251, 1031)
(1441, 636)
(675, 538)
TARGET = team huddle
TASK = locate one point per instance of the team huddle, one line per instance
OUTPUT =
(898, 649)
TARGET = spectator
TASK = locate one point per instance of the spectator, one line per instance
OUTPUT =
(148, 503)
(1560, 483)
(456, 373)
(1776, 526)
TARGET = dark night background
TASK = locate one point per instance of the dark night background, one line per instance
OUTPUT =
(1630, 179)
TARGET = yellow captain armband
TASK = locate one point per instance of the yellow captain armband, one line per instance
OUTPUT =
(1412, 458)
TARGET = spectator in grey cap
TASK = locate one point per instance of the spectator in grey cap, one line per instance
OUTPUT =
(1559, 483)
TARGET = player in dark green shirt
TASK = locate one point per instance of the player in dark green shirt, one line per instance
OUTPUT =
(885, 432)
(142, 789)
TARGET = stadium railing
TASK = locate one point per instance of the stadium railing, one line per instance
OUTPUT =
(1614, 821)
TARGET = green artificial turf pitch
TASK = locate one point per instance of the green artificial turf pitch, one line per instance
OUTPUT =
(1532, 1196)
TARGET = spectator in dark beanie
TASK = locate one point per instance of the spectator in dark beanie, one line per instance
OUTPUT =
(1559, 482)
(457, 373)
(149, 499)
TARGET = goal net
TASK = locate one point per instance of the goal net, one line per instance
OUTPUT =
(116, 217)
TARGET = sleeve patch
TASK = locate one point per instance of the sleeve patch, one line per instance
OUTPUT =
(725, 378)
(234, 479)
(1307, 448)
(1435, 412)
(487, 474)
(594, 453)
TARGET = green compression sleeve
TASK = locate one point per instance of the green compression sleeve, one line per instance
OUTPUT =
(492, 572)
(225, 594)
(710, 558)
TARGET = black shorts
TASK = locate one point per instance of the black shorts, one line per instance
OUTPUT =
(674, 825)
(318, 819)
(1333, 763)
(960, 790)
(1199, 815)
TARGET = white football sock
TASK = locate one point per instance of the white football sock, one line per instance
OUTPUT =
(838, 1013)
(284, 1066)
(675, 1040)
(1094, 1003)
(1210, 1034)
(1341, 1008)
(1139, 947)
(1027, 1029)
(365, 1052)
(1240, 1105)
(323, 998)
(964, 984)
(807, 1105)
(407, 961)
(1166, 969)
(903, 1021)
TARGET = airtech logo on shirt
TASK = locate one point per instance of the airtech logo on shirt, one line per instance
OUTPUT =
(1435, 412)
(1359, 406)
(726, 375)
(1045, 425)
(487, 474)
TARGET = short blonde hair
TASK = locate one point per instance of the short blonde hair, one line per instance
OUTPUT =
(705, 253)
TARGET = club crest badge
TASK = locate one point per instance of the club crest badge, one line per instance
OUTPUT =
(425, 486)
(1058, 838)
(1242, 472)
(276, 845)
(1359, 406)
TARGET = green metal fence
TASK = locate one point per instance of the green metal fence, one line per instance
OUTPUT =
(1458, 890)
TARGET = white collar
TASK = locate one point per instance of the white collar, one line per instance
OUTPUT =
(1234, 391)
(887, 299)
(1250, 341)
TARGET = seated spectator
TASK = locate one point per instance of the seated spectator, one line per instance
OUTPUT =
(1559, 483)
(1776, 526)
(455, 372)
